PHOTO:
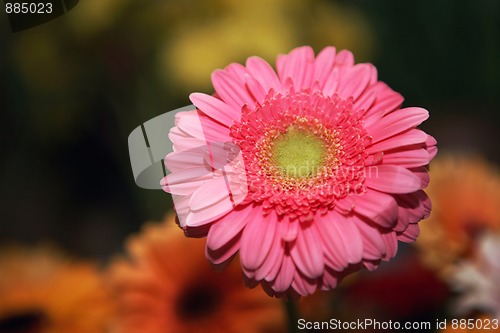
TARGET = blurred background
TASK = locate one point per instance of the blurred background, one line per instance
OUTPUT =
(74, 88)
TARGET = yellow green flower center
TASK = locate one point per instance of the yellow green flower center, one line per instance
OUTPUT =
(298, 153)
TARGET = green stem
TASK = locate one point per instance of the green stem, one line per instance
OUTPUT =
(292, 315)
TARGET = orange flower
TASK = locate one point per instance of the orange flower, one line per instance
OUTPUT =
(465, 193)
(44, 292)
(168, 286)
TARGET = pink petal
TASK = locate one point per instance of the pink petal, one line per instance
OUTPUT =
(331, 83)
(378, 207)
(391, 244)
(410, 137)
(215, 108)
(238, 71)
(224, 254)
(298, 65)
(330, 279)
(366, 100)
(257, 239)
(387, 101)
(285, 276)
(289, 229)
(407, 158)
(344, 58)
(410, 234)
(263, 73)
(224, 230)
(231, 91)
(397, 122)
(355, 81)
(255, 88)
(303, 285)
(307, 252)
(371, 265)
(324, 65)
(393, 179)
(431, 146)
(423, 174)
(270, 267)
(374, 247)
(340, 236)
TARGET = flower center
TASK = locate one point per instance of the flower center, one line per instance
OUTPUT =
(197, 302)
(298, 153)
(302, 151)
(32, 321)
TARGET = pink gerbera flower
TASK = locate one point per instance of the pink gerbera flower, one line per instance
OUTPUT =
(309, 173)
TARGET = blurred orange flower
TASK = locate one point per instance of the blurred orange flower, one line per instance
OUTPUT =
(465, 192)
(168, 286)
(42, 291)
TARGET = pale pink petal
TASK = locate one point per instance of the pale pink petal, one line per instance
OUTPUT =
(393, 179)
(209, 194)
(215, 108)
(263, 73)
(228, 227)
(212, 130)
(397, 122)
(379, 207)
(186, 159)
(257, 239)
(307, 252)
(190, 124)
(185, 176)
